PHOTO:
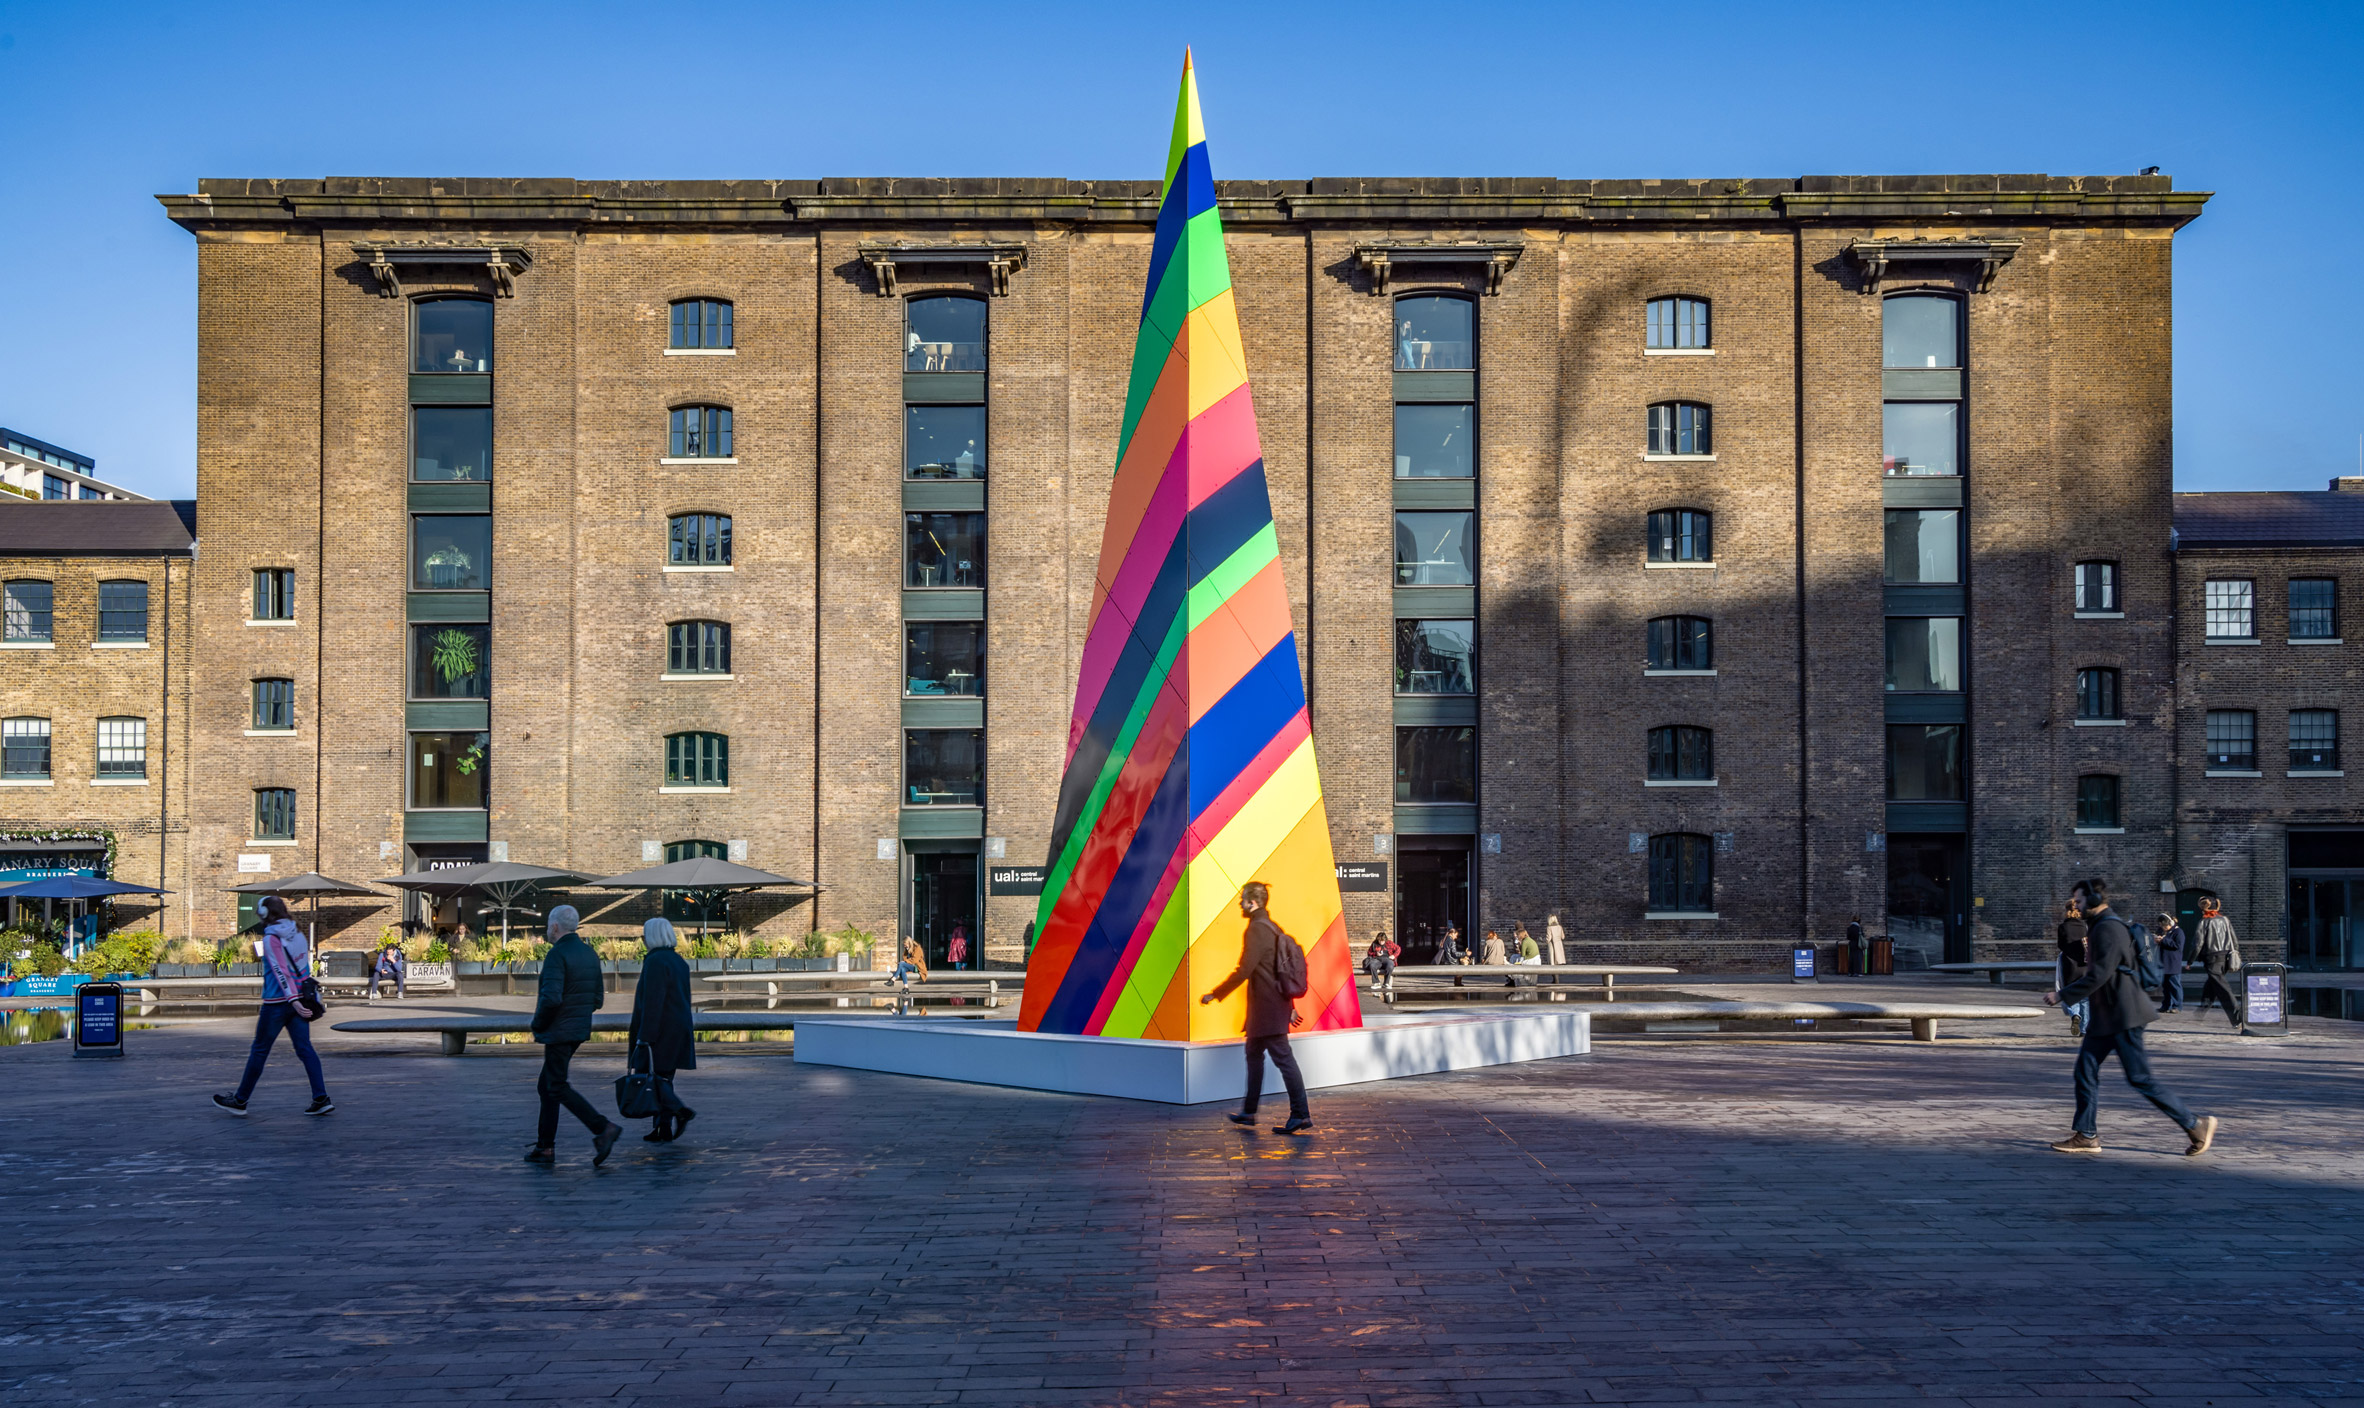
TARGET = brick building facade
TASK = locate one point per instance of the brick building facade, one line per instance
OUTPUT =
(1894, 400)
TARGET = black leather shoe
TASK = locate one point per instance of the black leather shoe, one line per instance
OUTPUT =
(1294, 1126)
(541, 1156)
(1247, 1120)
(604, 1143)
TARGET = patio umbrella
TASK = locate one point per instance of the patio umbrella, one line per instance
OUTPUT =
(311, 885)
(503, 882)
(705, 877)
(73, 888)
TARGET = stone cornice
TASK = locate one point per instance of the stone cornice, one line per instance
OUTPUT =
(388, 204)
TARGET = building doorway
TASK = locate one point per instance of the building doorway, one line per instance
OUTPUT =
(942, 902)
(444, 917)
(1927, 913)
(2326, 885)
(1431, 893)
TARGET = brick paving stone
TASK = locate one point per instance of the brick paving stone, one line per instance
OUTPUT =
(1678, 1220)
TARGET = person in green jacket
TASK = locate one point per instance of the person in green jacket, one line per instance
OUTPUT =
(571, 990)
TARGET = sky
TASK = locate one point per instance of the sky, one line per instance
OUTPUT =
(107, 105)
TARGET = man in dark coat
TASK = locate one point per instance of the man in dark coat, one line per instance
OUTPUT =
(571, 990)
(1858, 949)
(663, 1018)
(1270, 1011)
(2170, 938)
(2119, 1010)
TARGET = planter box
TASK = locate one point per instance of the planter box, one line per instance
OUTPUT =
(468, 969)
(707, 965)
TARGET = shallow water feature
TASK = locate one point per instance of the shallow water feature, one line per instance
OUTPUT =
(26, 1025)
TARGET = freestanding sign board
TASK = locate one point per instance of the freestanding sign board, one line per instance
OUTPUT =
(98, 1019)
(1801, 964)
(2267, 999)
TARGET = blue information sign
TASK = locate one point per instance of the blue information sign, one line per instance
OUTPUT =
(2265, 1005)
(1801, 964)
(98, 1019)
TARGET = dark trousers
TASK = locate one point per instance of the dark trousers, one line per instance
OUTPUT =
(267, 1025)
(2171, 992)
(1285, 1060)
(668, 1103)
(556, 1092)
(2220, 989)
(2136, 1063)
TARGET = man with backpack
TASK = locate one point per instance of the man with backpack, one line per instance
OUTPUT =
(2122, 964)
(1273, 967)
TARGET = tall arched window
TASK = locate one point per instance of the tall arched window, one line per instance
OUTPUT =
(1682, 874)
(1681, 535)
(2097, 694)
(700, 433)
(451, 335)
(1435, 333)
(944, 333)
(697, 760)
(1680, 643)
(1680, 428)
(1435, 388)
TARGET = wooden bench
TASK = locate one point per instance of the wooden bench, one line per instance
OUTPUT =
(1608, 973)
(1995, 971)
(455, 1031)
(1924, 1016)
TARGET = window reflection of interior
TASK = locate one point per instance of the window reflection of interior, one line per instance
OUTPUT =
(944, 658)
(452, 335)
(1432, 550)
(944, 549)
(1435, 441)
(944, 442)
(944, 334)
(1434, 334)
(1919, 438)
(1435, 657)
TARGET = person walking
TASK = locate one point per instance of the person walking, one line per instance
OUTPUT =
(570, 991)
(1555, 941)
(286, 964)
(2069, 938)
(1379, 961)
(2171, 939)
(956, 949)
(1271, 1012)
(2218, 950)
(663, 1021)
(1858, 949)
(2120, 1010)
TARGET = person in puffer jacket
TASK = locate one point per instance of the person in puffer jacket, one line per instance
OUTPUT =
(286, 963)
(571, 989)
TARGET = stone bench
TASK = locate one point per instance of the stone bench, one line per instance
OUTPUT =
(1924, 1016)
(1608, 973)
(1995, 971)
(455, 1031)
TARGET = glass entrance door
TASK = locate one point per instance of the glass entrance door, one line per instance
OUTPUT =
(2321, 913)
(1926, 918)
(1431, 892)
(944, 903)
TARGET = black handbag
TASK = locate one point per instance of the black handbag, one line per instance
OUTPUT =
(636, 1089)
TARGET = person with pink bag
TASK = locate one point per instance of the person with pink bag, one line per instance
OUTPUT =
(290, 1001)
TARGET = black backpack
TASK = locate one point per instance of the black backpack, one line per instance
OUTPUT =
(2147, 970)
(1288, 965)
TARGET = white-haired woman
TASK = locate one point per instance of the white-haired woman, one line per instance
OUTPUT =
(663, 1020)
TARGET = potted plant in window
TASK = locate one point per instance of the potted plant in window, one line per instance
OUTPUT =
(453, 656)
(448, 566)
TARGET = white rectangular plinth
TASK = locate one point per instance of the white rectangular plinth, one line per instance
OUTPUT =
(1185, 1072)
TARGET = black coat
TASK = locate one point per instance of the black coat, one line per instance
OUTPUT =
(661, 1012)
(571, 990)
(2171, 949)
(1259, 968)
(2070, 939)
(2119, 1003)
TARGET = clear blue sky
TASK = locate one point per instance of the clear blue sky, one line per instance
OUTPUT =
(108, 105)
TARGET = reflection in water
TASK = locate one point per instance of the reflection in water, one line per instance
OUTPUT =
(30, 1024)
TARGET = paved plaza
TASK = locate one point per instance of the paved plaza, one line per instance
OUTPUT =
(1672, 1219)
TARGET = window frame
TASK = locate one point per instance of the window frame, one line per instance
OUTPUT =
(480, 638)
(977, 568)
(1961, 307)
(274, 594)
(2109, 587)
(706, 325)
(1960, 760)
(490, 425)
(2210, 611)
(2322, 759)
(274, 804)
(697, 760)
(914, 411)
(114, 633)
(419, 565)
(13, 753)
(39, 623)
(263, 701)
(1468, 531)
(1681, 874)
(2229, 724)
(1680, 641)
(1680, 753)
(1666, 432)
(715, 422)
(715, 529)
(1395, 327)
(1410, 631)
(1408, 735)
(1960, 661)
(912, 344)
(1692, 527)
(490, 361)
(2090, 799)
(2329, 610)
(977, 677)
(410, 769)
(908, 795)
(131, 755)
(712, 640)
(1677, 305)
(2100, 697)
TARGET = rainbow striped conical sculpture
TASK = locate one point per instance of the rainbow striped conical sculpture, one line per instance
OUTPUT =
(1190, 757)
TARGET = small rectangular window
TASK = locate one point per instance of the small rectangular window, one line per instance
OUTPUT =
(2097, 802)
(1435, 657)
(451, 552)
(1677, 323)
(274, 705)
(697, 760)
(1924, 653)
(702, 323)
(1681, 535)
(944, 658)
(2097, 586)
(944, 767)
(2232, 740)
(55, 486)
(28, 610)
(1682, 753)
(698, 648)
(1435, 441)
(1433, 549)
(1920, 438)
(1682, 874)
(451, 443)
(274, 814)
(274, 594)
(123, 611)
(1925, 763)
(2231, 610)
(451, 662)
(700, 433)
(123, 748)
(944, 549)
(944, 442)
(2097, 694)
(2314, 608)
(1435, 765)
(448, 770)
(452, 335)
(1923, 546)
(1679, 643)
(1680, 428)
(699, 540)
(2314, 740)
(24, 748)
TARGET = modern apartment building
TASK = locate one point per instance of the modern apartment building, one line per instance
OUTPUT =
(1705, 562)
(36, 469)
